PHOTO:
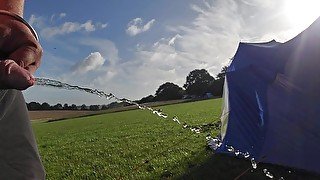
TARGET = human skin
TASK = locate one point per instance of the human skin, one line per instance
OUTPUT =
(14, 6)
(20, 51)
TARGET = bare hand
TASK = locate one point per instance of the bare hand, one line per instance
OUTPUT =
(14, 76)
(18, 44)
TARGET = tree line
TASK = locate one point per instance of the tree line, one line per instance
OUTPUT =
(199, 84)
(35, 106)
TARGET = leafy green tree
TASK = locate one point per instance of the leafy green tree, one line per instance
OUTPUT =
(33, 106)
(57, 107)
(223, 72)
(73, 107)
(197, 82)
(84, 107)
(45, 106)
(94, 108)
(66, 106)
(104, 107)
(149, 98)
(169, 91)
(216, 87)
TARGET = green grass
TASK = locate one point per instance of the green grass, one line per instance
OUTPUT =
(137, 144)
(126, 145)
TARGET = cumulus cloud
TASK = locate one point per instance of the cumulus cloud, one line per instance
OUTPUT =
(136, 26)
(106, 47)
(88, 26)
(67, 28)
(93, 62)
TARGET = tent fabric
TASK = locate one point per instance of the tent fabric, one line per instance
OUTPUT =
(225, 109)
(274, 101)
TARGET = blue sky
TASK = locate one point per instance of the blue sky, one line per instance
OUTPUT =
(131, 47)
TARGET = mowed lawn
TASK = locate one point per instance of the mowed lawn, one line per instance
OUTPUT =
(132, 144)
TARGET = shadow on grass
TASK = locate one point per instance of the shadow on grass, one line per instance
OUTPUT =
(221, 166)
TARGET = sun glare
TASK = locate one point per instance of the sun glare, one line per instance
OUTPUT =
(302, 13)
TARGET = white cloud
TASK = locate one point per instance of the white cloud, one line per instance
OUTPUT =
(88, 26)
(67, 28)
(36, 21)
(101, 25)
(62, 15)
(136, 26)
(211, 39)
(173, 39)
(106, 47)
(47, 31)
(52, 17)
(58, 16)
(32, 19)
(104, 25)
(93, 62)
(197, 8)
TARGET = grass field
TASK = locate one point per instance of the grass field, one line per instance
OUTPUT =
(131, 144)
(137, 144)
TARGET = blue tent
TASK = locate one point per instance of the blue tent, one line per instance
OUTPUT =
(272, 101)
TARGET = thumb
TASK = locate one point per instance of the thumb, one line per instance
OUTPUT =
(14, 77)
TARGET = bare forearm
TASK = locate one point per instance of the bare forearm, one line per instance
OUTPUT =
(15, 6)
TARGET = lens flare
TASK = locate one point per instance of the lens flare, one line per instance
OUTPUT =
(302, 13)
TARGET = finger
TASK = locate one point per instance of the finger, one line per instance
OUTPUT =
(15, 77)
(27, 56)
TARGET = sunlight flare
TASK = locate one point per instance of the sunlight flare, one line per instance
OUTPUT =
(302, 13)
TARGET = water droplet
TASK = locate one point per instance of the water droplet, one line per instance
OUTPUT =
(281, 178)
(214, 143)
(269, 175)
(175, 119)
(208, 137)
(237, 152)
(163, 115)
(253, 163)
(230, 148)
(246, 155)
